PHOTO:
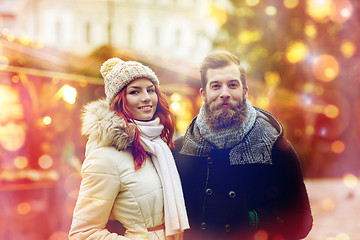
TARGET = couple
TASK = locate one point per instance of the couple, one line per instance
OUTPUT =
(234, 175)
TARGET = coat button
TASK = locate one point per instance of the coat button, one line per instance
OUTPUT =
(203, 226)
(209, 160)
(232, 194)
(209, 191)
(227, 228)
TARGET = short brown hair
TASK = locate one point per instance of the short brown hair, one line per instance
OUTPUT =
(220, 59)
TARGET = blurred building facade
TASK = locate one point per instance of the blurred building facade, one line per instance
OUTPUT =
(176, 29)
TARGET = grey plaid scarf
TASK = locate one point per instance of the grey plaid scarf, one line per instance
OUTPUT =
(251, 142)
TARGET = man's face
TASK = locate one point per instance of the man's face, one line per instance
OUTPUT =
(224, 97)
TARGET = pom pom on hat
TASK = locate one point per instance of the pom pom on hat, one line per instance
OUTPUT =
(118, 73)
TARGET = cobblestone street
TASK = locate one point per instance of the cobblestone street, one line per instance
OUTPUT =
(336, 209)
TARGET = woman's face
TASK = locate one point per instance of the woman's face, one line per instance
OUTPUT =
(141, 99)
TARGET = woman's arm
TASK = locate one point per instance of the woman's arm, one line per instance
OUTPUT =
(99, 188)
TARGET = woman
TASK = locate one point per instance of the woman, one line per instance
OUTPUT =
(129, 174)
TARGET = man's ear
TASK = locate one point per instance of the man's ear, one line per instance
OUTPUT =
(202, 93)
(246, 92)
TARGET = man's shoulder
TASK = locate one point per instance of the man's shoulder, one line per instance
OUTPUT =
(178, 143)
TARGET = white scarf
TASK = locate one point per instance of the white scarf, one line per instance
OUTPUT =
(176, 220)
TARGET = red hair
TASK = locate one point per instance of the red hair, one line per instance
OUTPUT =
(119, 105)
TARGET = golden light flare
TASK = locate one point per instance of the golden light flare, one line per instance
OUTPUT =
(252, 3)
(247, 36)
(47, 120)
(12, 136)
(310, 130)
(348, 49)
(327, 204)
(25, 40)
(21, 162)
(331, 111)
(175, 97)
(296, 51)
(291, 3)
(23, 208)
(272, 79)
(261, 235)
(309, 88)
(340, 236)
(262, 102)
(69, 94)
(4, 62)
(338, 146)
(341, 10)
(271, 10)
(350, 180)
(218, 13)
(326, 68)
(318, 9)
(310, 30)
(175, 106)
(325, 10)
(45, 161)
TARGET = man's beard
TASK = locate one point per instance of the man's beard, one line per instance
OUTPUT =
(218, 118)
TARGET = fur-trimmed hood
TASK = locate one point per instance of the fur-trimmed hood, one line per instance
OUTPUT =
(104, 127)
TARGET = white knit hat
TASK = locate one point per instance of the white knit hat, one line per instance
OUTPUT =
(118, 73)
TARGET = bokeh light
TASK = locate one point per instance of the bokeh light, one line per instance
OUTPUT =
(252, 3)
(23, 208)
(261, 235)
(262, 102)
(338, 146)
(310, 30)
(291, 3)
(175, 106)
(45, 161)
(247, 36)
(12, 136)
(272, 79)
(21, 162)
(327, 204)
(318, 9)
(270, 10)
(69, 94)
(296, 51)
(350, 180)
(348, 49)
(331, 111)
(47, 120)
(326, 68)
(218, 13)
(341, 10)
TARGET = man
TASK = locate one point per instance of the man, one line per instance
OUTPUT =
(241, 178)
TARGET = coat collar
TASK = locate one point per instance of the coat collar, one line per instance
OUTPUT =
(103, 126)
